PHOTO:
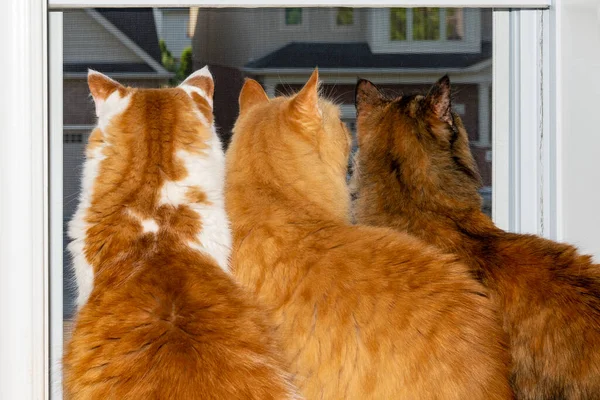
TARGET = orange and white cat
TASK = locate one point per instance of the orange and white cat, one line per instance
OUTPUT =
(416, 174)
(363, 312)
(160, 316)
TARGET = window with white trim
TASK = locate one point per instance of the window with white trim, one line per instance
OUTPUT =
(472, 81)
(33, 307)
(438, 24)
(414, 30)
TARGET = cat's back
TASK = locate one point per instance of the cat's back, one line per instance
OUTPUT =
(550, 302)
(379, 300)
(413, 293)
(177, 328)
(551, 271)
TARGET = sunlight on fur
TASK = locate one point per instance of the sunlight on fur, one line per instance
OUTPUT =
(160, 317)
(416, 174)
(362, 312)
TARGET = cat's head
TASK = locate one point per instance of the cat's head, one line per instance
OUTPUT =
(146, 138)
(415, 148)
(296, 140)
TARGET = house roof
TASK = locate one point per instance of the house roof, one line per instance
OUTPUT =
(359, 56)
(134, 26)
(138, 24)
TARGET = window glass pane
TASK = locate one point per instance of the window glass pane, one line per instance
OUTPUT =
(426, 24)
(345, 16)
(169, 43)
(398, 24)
(293, 16)
(455, 24)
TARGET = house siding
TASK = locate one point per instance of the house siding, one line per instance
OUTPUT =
(89, 42)
(234, 37)
(228, 39)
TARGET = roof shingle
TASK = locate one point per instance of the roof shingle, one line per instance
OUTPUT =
(359, 55)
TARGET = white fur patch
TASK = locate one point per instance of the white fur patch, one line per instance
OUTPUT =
(84, 273)
(111, 107)
(78, 226)
(206, 171)
(149, 225)
(189, 89)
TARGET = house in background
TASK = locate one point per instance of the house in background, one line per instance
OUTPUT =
(176, 27)
(121, 43)
(399, 49)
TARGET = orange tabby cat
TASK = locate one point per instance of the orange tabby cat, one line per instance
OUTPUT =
(161, 318)
(363, 313)
(416, 174)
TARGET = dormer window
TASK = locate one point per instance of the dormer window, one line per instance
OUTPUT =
(420, 30)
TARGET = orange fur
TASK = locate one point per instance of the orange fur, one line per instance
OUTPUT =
(163, 321)
(363, 313)
(416, 174)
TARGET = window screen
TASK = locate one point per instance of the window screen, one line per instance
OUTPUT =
(402, 50)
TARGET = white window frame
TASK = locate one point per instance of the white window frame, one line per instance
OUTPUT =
(524, 197)
(525, 172)
(381, 42)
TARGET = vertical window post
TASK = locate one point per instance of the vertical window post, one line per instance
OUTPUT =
(23, 201)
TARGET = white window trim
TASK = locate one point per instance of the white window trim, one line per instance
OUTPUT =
(55, 31)
(58, 4)
(501, 190)
(24, 162)
(381, 43)
(24, 217)
(526, 175)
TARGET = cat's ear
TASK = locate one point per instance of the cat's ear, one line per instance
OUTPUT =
(439, 99)
(101, 86)
(201, 88)
(305, 105)
(252, 93)
(366, 96)
(203, 80)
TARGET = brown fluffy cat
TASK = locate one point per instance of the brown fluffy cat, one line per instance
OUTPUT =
(416, 174)
(161, 317)
(363, 312)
